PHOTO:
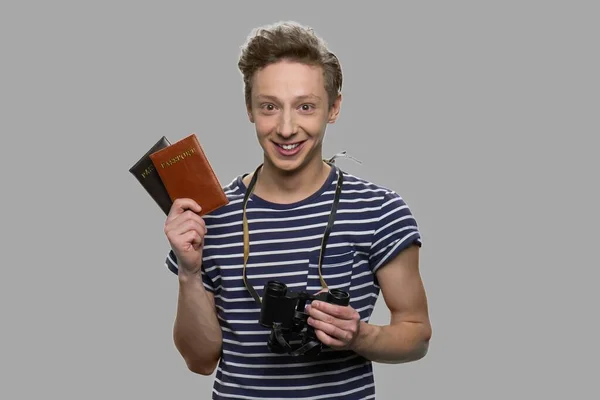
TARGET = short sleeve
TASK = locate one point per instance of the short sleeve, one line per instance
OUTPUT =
(171, 264)
(396, 230)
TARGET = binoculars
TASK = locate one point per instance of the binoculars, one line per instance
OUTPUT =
(282, 311)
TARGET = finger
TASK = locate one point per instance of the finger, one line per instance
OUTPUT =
(330, 329)
(194, 238)
(321, 316)
(342, 324)
(189, 225)
(328, 340)
(188, 241)
(342, 312)
(188, 215)
(180, 205)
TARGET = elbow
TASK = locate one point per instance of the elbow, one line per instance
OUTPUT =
(419, 346)
(201, 368)
(421, 350)
(202, 365)
(422, 347)
(199, 362)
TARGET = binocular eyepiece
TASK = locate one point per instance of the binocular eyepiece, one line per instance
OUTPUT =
(282, 311)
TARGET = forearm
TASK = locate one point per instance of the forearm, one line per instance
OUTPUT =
(197, 333)
(399, 342)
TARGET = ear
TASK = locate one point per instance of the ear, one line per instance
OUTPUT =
(334, 111)
(249, 112)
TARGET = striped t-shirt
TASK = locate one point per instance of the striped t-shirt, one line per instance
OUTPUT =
(372, 225)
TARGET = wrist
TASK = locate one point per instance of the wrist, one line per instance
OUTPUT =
(367, 334)
(187, 277)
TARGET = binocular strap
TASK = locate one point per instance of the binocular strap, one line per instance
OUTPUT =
(328, 228)
(285, 345)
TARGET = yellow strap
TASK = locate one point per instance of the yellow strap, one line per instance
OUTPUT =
(246, 235)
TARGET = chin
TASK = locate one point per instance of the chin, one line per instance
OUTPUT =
(287, 166)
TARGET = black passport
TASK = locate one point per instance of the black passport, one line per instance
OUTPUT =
(146, 174)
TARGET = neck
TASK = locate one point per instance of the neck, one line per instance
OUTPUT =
(282, 187)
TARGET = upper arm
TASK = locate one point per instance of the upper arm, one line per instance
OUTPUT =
(394, 259)
(403, 290)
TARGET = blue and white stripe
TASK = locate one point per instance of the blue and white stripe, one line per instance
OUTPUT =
(373, 224)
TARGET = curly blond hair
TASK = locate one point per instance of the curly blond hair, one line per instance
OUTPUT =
(288, 40)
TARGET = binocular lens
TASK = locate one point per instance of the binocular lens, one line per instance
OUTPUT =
(339, 297)
(275, 289)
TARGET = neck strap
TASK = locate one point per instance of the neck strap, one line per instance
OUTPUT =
(328, 228)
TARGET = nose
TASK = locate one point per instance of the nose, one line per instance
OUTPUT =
(287, 125)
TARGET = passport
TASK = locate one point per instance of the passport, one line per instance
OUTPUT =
(185, 171)
(147, 175)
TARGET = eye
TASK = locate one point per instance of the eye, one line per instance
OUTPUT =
(267, 107)
(306, 107)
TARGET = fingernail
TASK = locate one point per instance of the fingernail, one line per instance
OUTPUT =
(315, 303)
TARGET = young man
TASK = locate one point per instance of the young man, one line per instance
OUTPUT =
(292, 89)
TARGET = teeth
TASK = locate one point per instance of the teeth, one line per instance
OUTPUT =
(289, 146)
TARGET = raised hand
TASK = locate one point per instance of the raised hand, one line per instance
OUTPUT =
(185, 230)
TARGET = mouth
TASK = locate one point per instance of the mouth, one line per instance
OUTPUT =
(290, 146)
(289, 149)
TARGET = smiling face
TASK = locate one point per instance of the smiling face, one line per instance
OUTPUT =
(290, 109)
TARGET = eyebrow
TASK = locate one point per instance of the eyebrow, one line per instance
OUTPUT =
(302, 97)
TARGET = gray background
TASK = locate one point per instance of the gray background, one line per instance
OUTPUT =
(483, 117)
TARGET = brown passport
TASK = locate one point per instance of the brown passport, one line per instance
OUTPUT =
(186, 172)
(146, 174)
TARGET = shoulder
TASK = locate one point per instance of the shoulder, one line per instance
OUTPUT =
(390, 219)
(235, 188)
(356, 187)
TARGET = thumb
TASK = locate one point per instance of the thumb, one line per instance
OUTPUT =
(307, 307)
